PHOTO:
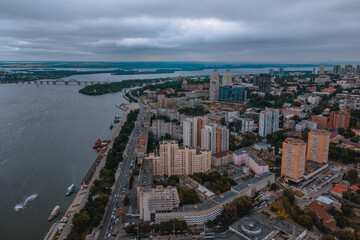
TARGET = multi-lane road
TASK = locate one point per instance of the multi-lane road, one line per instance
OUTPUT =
(121, 183)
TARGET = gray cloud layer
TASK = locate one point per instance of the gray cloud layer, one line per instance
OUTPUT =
(203, 30)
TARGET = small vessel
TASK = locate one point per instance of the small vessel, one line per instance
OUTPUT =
(117, 117)
(54, 213)
(97, 143)
(111, 126)
(70, 190)
(116, 120)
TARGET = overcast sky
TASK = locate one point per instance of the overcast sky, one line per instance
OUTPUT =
(197, 30)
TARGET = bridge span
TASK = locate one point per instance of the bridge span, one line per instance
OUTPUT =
(62, 81)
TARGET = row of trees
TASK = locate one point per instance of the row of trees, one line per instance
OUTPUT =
(113, 87)
(343, 154)
(91, 215)
(270, 101)
(238, 208)
(193, 112)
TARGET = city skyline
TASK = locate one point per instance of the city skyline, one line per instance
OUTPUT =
(278, 31)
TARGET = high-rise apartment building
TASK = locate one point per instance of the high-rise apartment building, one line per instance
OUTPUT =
(318, 145)
(187, 133)
(281, 72)
(214, 86)
(192, 131)
(322, 69)
(336, 69)
(232, 94)
(175, 160)
(348, 69)
(264, 82)
(358, 69)
(215, 138)
(271, 71)
(293, 159)
(268, 121)
(339, 119)
(247, 125)
(227, 79)
(162, 101)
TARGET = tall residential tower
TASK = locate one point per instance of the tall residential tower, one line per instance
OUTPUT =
(293, 159)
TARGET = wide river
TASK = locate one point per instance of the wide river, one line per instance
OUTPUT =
(46, 138)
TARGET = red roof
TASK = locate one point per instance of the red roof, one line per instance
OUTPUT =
(355, 187)
(333, 135)
(297, 107)
(338, 190)
(342, 186)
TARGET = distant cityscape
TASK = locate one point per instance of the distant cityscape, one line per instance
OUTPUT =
(248, 156)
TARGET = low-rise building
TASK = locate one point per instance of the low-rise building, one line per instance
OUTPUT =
(301, 126)
(262, 146)
(203, 193)
(314, 99)
(260, 227)
(322, 79)
(156, 199)
(328, 220)
(248, 158)
(142, 146)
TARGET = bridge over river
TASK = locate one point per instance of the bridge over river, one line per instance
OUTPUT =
(62, 81)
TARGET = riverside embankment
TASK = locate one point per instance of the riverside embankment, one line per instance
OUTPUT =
(62, 228)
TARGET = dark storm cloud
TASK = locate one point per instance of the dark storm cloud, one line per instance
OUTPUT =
(133, 30)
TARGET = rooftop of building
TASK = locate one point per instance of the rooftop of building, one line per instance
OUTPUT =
(226, 196)
(221, 154)
(321, 212)
(338, 190)
(325, 200)
(146, 173)
(254, 180)
(259, 226)
(252, 155)
(295, 141)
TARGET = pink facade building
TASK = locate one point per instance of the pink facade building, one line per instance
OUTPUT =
(249, 158)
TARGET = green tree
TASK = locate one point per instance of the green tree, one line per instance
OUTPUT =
(327, 237)
(347, 235)
(289, 194)
(274, 187)
(351, 175)
(305, 221)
